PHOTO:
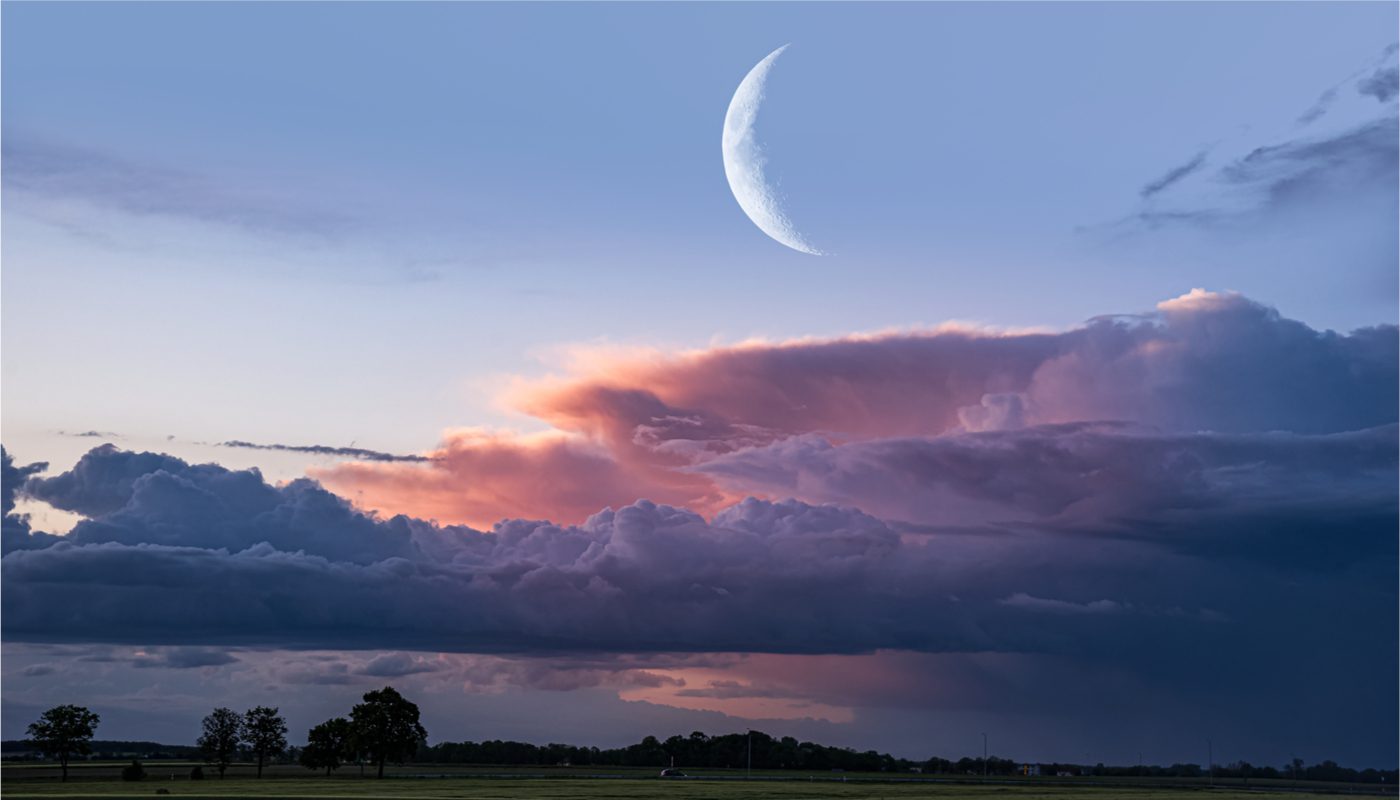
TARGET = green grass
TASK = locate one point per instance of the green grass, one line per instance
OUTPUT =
(598, 789)
(465, 782)
(823, 787)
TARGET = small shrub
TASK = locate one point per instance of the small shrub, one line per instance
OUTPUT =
(133, 771)
(197, 774)
(162, 791)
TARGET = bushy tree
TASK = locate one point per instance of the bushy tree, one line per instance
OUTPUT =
(329, 745)
(63, 732)
(133, 771)
(386, 727)
(223, 730)
(265, 733)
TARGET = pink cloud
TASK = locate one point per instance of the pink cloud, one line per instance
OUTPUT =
(645, 425)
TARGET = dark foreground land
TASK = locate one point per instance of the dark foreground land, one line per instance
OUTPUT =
(434, 782)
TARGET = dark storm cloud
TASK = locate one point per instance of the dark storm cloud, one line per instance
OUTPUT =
(1186, 498)
(49, 169)
(15, 530)
(1093, 478)
(1175, 174)
(13, 477)
(198, 557)
(357, 453)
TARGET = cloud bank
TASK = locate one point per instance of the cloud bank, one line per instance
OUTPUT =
(948, 491)
(649, 426)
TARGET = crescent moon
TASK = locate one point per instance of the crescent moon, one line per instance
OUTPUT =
(744, 160)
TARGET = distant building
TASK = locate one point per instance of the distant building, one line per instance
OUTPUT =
(1030, 770)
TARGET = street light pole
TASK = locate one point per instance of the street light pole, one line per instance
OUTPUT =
(984, 756)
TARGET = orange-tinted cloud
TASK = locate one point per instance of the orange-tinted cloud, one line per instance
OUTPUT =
(479, 477)
(645, 425)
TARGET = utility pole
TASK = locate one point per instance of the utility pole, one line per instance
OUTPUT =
(1210, 762)
(984, 756)
(748, 771)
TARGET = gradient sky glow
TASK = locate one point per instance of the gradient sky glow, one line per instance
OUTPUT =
(1110, 313)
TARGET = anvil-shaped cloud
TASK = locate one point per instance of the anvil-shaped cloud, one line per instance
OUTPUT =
(903, 492)
(685, 429)
(1154, 497)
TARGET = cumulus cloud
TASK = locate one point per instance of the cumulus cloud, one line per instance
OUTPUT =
(1082, 477)
(15, 530)
(198, 556)
(1145, 493)
(643, 427)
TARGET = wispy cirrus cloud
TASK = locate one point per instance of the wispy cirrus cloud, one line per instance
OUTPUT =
(39, 170)
(1339, 153)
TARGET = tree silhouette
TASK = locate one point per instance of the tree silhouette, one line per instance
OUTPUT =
(386, 726)
(265, 733)
(329, 745)
(63, 732)
(223, 730)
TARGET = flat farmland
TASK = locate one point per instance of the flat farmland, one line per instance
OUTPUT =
(434, 782)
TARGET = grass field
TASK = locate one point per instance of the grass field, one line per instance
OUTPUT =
(603, 789)
(437, 781)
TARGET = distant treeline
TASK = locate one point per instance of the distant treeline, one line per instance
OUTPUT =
(768, 753)
(111, 748)
(731, 751)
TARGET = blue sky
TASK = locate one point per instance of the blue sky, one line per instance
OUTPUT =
(410, 227)
(368, 210)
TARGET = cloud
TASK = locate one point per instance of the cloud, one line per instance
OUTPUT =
(15, 530)
(393, 665)
(637, 427)
(325, 450)
(1174, 174)
(49, 171)
(1201, 489)
(1051, 606)
(481, 476)
(198, 558)
(91, 434)
(1317, 109)
(1334, 176)
(148, 498)
(1383, 84)
(1293, 172)
(38, 670)
(183, 658)
(13, 477)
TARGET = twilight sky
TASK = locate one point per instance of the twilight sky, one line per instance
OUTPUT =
(425, 343)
